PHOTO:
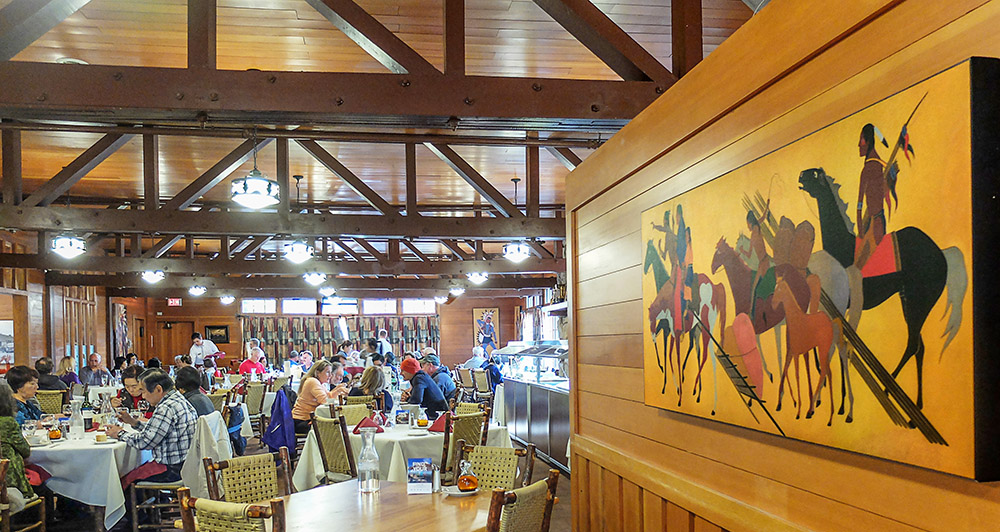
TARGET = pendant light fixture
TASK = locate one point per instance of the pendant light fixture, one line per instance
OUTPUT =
(327, 291)
(255, 191)
(298, 252)
(314, 278)
(68, 247)
(477, 277)
(456, 291)
(153, 277)
(197, 290)
(516, 252)
(440, 300)
(227, 299)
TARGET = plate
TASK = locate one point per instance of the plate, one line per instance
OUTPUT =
(36, 445)
(453, 491)
(106, 442)
(418, 432)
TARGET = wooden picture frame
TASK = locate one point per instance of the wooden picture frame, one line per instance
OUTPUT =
(219, 334)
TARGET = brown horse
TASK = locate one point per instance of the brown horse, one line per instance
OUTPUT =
(805, 333)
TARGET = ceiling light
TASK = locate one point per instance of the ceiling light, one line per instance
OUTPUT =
(477, 277)
(456, 291)
(227, 299)
(314, 278)
(298, 252)
(516, 251)
(152, 277)
(68, 247)
(440, 300)
(197, 290)
(255, 191)
(327, 291)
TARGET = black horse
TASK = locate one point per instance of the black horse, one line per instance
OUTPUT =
(924, 269)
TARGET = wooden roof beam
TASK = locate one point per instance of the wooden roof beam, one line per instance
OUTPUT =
(23, 22)
(475, 179)
(374, 38)
(685, 35)
(379, 256)
(161, 247)
(257, 243)
(416, 250)
(607, 41)
(196, 223)
(201, 28)
(11, 173)
(349, 250)
(309, 292)
(566, 156)
(215, 175)
(99, 92)
(74, 171)
(455, 248)
(287, 283)
(454, 37)
(353, 181)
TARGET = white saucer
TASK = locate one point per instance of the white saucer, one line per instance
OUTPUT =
(417, 432)
(38, 445)
(106, 442)
(453, 491)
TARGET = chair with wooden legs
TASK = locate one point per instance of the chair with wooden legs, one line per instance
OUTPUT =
(496, 467)
(353, 414)
(51, 401)
(219, 400)
(484, 393)
(254, 400)
(249, 479)
(469, 427)
(466, 386)
(234, 378)
(527, 508)
(278, 382)
(467, 408)
(34, 502)
(356, 399)
(206, 515)
(335, 449)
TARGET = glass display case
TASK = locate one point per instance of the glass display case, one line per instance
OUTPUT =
(543, 363)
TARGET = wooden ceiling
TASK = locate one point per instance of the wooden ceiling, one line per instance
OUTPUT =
(503, 39)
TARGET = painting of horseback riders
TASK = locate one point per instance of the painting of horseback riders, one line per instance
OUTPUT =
(822, 292)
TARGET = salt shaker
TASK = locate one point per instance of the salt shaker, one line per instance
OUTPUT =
(436, 479)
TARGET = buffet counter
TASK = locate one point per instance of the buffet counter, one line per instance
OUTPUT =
(538, 413)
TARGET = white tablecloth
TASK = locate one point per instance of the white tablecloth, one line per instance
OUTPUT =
(89, 472)
(394, 447)
(499, 414)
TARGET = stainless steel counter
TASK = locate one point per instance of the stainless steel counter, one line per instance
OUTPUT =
(539, 414)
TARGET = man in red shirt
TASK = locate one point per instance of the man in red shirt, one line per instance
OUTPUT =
(253, 359)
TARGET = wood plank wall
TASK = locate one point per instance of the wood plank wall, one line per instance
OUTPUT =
(793, 68)
(457, 332)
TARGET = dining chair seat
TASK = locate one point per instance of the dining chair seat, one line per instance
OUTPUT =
(527, 509)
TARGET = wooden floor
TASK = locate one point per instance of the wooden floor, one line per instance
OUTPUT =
(561, 513)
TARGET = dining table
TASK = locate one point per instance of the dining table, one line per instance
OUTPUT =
(391, 508)
(90, 472)
(394, 446)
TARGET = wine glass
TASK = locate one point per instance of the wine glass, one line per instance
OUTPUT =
(67, 410)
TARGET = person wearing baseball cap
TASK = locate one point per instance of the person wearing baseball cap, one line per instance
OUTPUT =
(431, 365)
(423, 390)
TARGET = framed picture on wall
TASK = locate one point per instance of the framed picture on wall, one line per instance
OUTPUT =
(486, 328)
(217, 333)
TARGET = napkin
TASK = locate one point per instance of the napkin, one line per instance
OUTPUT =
(438, 425)
(367, 422)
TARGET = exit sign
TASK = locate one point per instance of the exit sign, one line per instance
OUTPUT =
(173, 301)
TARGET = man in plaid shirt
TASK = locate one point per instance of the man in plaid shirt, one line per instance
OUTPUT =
(169, 433)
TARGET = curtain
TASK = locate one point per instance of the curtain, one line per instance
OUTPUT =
(321, 334)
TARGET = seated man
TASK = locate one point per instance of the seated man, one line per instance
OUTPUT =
(431, 365)
(169, 433)
(492, 367)
(423, 390)
(252, 363)
(188, 382)
(477, 359)
(94, 373)
(46, 380)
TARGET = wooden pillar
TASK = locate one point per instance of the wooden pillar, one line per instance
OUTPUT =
(11, 140)
(151, 171)
(411, 179)
(531, 182)
(685, 35)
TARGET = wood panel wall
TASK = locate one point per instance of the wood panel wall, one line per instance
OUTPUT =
(457, 332)
(202, 312)
(793, 68)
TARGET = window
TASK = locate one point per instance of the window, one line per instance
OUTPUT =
(298, 306)
(419, 306)
(528, 327)
(342, 324)
(378, 306)
(259, 306)
(340, 305)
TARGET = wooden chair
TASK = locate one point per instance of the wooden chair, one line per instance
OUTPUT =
(467, 408)
(5, 515)
(465, 384)
(219, 400)
(159, 500)
(234, 378)
(254, 398)
(484, 394)
(468, 427)
(250, 479)
(278, 382)
(496, 467)
(51, 401)
(353, 414)
(219, 516)
(527, 508)
(334, 449)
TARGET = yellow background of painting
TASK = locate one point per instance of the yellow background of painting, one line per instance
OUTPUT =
(934, 195)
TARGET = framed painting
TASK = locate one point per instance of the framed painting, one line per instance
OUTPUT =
(838, 289)
(486, 328)
(219, 334)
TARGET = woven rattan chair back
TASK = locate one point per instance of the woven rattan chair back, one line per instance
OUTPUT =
(357, 399)
(468, 427)
(495, 467)
(523, 509)
(353, 414)
(250, 479)
(221, 516)
(51, 401)
(469, 408)
(219, 400)
(234, 378)
(482, 380)
(255, 398)
(334, 445)
(278, 382)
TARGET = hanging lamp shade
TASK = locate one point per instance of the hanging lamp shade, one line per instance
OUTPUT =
(68, 247)
(255, 191)
(516, 252)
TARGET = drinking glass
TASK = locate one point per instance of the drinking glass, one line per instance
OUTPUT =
(28, 430)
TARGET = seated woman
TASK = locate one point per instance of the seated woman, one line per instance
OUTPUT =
(66, 373)
(373, 383)
(118, 364)
(131, 395)
(14, 447)
(312, 392)
(23, 382)
(132, 359)
(188, 382)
